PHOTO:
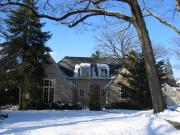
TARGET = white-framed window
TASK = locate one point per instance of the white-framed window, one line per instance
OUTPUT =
(103, 70)
(81, 92)
(85, 70)
(48, 90)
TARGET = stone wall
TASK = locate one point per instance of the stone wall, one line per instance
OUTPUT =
(63, 90)
(85, 84)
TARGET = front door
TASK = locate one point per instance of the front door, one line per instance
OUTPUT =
(94, 98)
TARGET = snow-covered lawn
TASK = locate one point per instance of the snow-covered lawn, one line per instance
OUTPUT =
(110, 122)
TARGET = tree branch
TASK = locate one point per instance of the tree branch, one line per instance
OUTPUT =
(74, 12)
(163, 21)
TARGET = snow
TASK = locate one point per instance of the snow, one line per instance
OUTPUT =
(76, 70)
(103, 65)
(85, 65)
(178, 82)
(82, 122)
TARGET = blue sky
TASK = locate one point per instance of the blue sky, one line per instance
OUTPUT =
(77, 42)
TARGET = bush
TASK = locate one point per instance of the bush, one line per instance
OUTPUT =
(41, 105)
(66, 106)
(123, 105)
(35, 105)
(3, 116)
(94, 107)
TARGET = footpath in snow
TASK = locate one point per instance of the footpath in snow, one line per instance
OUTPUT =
(110, 122)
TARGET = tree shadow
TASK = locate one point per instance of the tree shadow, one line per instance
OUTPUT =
(76, 118)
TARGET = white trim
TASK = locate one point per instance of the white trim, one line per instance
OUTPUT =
(53, 86)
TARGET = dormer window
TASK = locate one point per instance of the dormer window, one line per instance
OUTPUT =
(85, 70)
(103, 70)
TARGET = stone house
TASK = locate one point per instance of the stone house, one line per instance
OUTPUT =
(83, 80)
(86, 80)
(171, 94)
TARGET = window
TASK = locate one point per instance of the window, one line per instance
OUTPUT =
(85, 72)
(48, 82)
(104, 72)
(48, 90)
(81, 92)
(124, 92)
(51, 95)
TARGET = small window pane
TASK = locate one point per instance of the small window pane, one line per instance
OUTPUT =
(85, 72)
(45, 95)
(50, 83)
(46, 82)
(104, 73)
(51, 94)
(124, 92)
(81, 92)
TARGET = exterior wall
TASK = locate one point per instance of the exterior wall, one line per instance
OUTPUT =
(178, 83)
(63, 91)
(85, 83)
(113, 94)
(171, 95)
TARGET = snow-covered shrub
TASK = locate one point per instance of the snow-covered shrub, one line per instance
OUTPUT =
(123, 105)
(66, 106)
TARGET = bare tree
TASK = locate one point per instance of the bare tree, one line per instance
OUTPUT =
(160, 52)
(177, 49)
(3, 33)
(116, 44)
(77, 11)
(162, 19)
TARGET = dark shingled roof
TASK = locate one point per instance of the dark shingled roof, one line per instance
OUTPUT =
(67, 64)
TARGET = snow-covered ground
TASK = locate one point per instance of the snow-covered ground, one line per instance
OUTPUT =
(109, 122)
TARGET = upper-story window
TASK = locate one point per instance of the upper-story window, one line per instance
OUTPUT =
(103, 70)
(85, 70)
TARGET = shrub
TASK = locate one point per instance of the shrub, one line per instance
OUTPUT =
(123, 105)
(35, 105)
(66, 106)
(94, 107)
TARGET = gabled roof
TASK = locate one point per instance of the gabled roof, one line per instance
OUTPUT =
(67, 64)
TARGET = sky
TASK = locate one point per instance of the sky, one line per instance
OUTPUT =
(79, 42)
(74, 42)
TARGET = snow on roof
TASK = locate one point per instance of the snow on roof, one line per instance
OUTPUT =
(85, 65)
(77, 66)
(178, 82)
(103, 65)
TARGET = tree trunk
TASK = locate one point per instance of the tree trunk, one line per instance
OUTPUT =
(20, 98)
(154, 84)
(178, 5)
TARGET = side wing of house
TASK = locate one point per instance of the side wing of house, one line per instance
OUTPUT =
(171, 95)
(55, 80)
(120, 90)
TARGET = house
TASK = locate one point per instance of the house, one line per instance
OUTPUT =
(82, 80)
(178, 83)
(171, 94)
(87, 80)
